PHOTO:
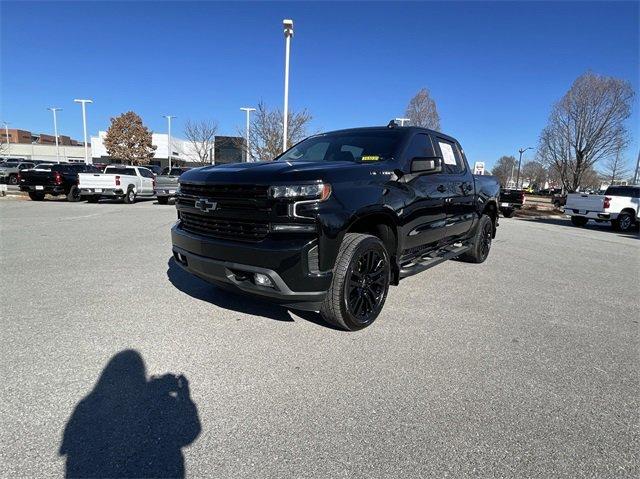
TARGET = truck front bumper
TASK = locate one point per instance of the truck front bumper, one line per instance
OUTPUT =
(286, 262)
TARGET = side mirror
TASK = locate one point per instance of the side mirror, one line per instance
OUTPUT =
(421, 165)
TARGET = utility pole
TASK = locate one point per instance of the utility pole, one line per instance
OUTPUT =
(169, 147)
(288, 33)
(402, 120)
(84, 126)
(55, 129)
(248, 110)
(521, 151)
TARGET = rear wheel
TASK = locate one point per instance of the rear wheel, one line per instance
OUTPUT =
(73, 194)
(130, 196)
(579, 220)
(36, 196)
(481, 242)
(508, 212)
(360, 283)
(163, 200)
(623, 222)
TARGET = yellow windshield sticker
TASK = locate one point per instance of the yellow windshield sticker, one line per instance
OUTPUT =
(370, 158)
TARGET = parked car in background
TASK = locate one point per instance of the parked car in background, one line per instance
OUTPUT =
(10, 171)
(167, 184)
(118, 181)
(54, 179)
(510, 201)
(619, 205)
(336, 219)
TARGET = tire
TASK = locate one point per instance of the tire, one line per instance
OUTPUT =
(481, 242)
(623, 223)
(73, 195)
(579, 220)
(508, 213)
(93, 198)
(163, 200)
(360, 283)
(13, 179)
(36, 196)
(130, 196)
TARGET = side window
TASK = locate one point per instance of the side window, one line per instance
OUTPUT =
(146, 173)
(420, 146)
(451, 157)
(130, 171)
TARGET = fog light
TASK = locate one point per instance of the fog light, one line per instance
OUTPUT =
(263, 280)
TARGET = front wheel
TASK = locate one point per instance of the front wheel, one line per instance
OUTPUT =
(163, 200)
(13, 179)
(579, 220)
(481, 242)
(93, 198)
(360, 283)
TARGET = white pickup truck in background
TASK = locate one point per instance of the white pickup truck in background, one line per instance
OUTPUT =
(619, 204)
(117, 181)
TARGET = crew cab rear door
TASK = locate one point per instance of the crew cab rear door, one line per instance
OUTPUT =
(459, 203)
(424, 215)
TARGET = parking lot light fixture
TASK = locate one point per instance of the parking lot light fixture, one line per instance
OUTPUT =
(55, 130)
(169, 148)
(402, 120)
(84, 126)
(6, 134)
(521, 151)
(288, 33)
(248, 110)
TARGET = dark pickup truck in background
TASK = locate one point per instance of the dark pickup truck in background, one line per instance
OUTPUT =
(332, 222)
(57, 179)
(510, 201)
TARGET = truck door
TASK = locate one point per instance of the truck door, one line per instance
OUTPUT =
(459, 204)
(423, 218)
(146, 181)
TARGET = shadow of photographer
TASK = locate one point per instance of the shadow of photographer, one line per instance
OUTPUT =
(131, 426)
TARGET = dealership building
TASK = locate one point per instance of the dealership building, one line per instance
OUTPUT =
(26, 145)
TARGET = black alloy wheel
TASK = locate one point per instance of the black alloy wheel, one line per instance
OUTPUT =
(485, 239)
(367, 286)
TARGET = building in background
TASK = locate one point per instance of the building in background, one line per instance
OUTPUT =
(33, 146)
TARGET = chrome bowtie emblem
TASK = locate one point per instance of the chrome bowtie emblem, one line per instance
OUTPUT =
(205, 205)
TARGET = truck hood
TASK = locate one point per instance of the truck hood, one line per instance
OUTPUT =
(267, 172)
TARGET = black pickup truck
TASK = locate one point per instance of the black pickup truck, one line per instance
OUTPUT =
(56, 179)
(332, 222)
(510, 201)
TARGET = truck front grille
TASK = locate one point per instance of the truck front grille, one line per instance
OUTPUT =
(225, 192)
(224, 228)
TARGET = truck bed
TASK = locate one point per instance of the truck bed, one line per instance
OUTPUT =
(584, 203)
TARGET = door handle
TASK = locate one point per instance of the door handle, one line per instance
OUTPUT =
(441, 188)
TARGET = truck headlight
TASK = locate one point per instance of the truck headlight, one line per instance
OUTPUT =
(317, 191)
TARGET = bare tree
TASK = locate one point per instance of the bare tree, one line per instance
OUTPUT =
(615, 168)
(201, 136)
(265, 135)
(422, 111)
(586, 126)
(503, 169)
(128, 140)
(535, 173)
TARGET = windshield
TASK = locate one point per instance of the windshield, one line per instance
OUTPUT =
(9, 164)
(357, 146)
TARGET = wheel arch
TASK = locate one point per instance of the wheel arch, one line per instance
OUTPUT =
(491, 210)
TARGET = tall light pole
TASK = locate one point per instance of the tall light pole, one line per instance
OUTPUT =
(6, 133)
(288, 33)
(402, 120)
(521, 151)
(55, 130)
(248, 110)
(169, 148)
(84, 126)
(635, 175)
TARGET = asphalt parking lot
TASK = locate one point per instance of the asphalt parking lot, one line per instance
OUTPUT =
(524, 366)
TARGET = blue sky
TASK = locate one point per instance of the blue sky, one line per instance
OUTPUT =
(494, 68)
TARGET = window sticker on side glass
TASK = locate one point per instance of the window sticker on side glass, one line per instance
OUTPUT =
(447, 153)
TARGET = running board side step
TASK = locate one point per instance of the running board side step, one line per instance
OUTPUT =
(430, 260)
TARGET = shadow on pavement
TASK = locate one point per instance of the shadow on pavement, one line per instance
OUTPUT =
(131, 426)
(234, 301)
(591, 225)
